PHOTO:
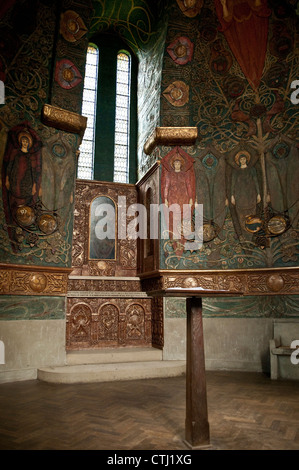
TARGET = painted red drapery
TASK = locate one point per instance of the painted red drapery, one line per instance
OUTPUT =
(177, 190)
(245, 27)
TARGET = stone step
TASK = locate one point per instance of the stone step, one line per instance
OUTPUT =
(87, 373)
(113, 355)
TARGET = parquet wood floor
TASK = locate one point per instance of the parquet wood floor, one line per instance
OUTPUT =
(247, 411)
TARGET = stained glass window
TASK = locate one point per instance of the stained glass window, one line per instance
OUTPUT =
(122, 118)
(118, 129)
(89, 102)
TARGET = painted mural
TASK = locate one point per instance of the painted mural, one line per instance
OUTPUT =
(31, 308)
(135, 21)
(38, 162)
(177, 190)
(228, 69)
(193, 71)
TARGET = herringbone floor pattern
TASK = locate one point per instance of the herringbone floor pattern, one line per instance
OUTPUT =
(247, 411)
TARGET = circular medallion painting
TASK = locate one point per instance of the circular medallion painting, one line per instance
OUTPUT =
(209, 232)
(25, 215)
(47, 223)
(277, 225)
(253, 224)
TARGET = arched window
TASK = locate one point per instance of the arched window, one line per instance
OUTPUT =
(122, 118)
(89, 103)
(108, 150)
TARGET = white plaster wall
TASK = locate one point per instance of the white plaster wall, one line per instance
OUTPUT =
(30, 344)
(230, 343)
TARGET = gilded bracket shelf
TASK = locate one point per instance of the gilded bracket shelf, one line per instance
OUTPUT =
(170, 136)
(64, 120)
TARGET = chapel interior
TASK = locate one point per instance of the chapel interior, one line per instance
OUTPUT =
(112, 111)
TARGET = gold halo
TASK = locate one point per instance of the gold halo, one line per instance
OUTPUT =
(176, 157)
(242, 153)
(180, 50)
(72, 25)
(27, 135)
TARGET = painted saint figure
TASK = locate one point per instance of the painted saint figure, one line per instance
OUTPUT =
(210, 172)
(177, 190)
(245, 192)
(21, 171)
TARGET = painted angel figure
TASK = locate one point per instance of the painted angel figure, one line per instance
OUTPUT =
(245, 190)
(178, 190)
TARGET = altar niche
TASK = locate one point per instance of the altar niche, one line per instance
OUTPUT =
(102, 222)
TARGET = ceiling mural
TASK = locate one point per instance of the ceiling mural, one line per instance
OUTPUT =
(135, 20)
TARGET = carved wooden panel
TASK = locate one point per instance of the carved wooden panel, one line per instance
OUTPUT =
(157, 322)
(124, 262)
(250, 282)
(96, 322)
(108, 323)
(33, 280)
(104, 284)
(81, 322)
(148, 193)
